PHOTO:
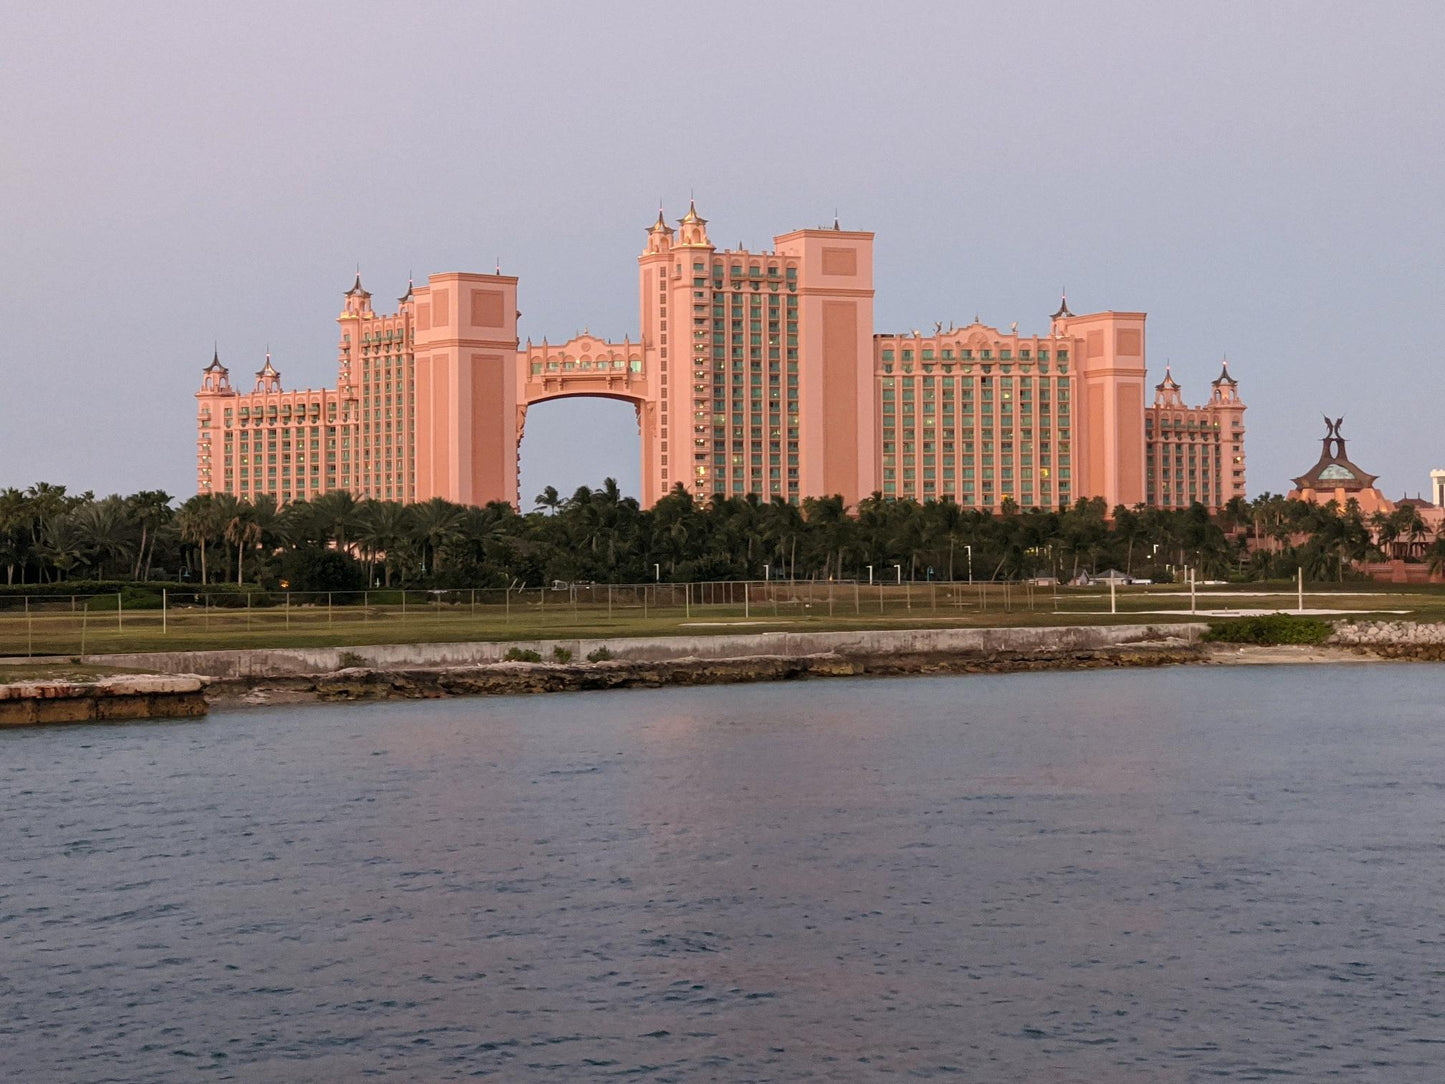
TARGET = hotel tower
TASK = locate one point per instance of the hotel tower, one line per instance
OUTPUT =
(752, 372)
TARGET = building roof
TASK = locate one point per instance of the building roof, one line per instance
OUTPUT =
(1334, 469)
(1224, 377)
(1063, 307)
(357, 288)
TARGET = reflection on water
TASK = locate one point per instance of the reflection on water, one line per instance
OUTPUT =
(1165, 875)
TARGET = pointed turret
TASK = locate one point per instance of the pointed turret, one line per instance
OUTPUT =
(358, 299)
(659, 234)
(1166, 392)
(410, 295)
(1224, 388)
(267, 378)
(694, 228)
(215, 377)
(1063, 310)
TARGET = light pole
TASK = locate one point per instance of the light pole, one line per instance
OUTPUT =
(970, 562)
(657, 570)
(870, 575)
(900, 572)
(767, 574)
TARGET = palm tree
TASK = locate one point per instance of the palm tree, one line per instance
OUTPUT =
(104, 531)
(337, 513)
(244, 532)
(433, 524)
(14, 517)
(199, 522)
(150, 508)
(385, 529)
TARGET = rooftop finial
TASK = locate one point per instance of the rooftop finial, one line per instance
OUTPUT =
(499, 265)
(1063, 304)
(836, 226)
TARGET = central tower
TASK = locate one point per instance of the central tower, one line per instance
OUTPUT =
(762, 363)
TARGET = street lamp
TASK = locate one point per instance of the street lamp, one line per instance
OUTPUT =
(970, 562)
(900, 572)
(767, 575)
(657, 571)
(870, 575)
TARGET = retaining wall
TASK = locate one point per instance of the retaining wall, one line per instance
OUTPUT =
(278, 662)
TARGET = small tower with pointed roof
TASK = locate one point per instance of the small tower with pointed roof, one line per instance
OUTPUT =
(659, 236)
(692, 229)
(268, 380)
(1166, 392)
(215, 377)
(358, 299)
(1225, 388)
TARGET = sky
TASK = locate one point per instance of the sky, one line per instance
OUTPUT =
(1263, 179)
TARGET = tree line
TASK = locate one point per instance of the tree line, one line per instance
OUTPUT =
(339, 542)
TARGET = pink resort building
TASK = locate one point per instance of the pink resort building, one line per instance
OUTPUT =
(752, 372)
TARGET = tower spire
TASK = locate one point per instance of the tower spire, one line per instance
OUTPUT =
(1063, 304)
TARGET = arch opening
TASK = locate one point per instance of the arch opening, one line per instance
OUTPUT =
(577, 440)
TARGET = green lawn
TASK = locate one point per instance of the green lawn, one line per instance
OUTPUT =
(53, 628)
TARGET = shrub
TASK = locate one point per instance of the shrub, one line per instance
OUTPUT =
(561, 654)
(601, 654)
(348, 659)
(521, 654)
(318, 568)
(1276, 628)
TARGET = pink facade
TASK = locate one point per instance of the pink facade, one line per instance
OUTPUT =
(1195, 453)
(753, 373)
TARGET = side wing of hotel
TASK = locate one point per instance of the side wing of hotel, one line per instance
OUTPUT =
(752, 372)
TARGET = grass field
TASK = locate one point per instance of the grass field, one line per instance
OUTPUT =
(68, 627)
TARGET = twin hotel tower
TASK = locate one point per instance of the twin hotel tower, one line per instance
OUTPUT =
(754, 373)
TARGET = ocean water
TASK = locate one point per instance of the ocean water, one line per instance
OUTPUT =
(1170, 875)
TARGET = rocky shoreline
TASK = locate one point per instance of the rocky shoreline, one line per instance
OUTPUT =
(524, 678)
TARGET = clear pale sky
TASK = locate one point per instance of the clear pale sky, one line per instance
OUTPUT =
(1264, 179)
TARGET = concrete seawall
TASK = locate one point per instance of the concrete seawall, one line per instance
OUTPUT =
(140, 696)
(284, 662)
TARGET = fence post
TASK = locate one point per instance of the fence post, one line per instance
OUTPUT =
(288, 609)
(84, 613)
(29, 634)
(474, 602)
(163, 611)
(119, 612)
(248, 609)
(687, 600)
(507, 603)
(403, 605)
(328, 609)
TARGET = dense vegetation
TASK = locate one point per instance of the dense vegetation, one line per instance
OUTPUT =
(1278, 628)
(48, 536)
